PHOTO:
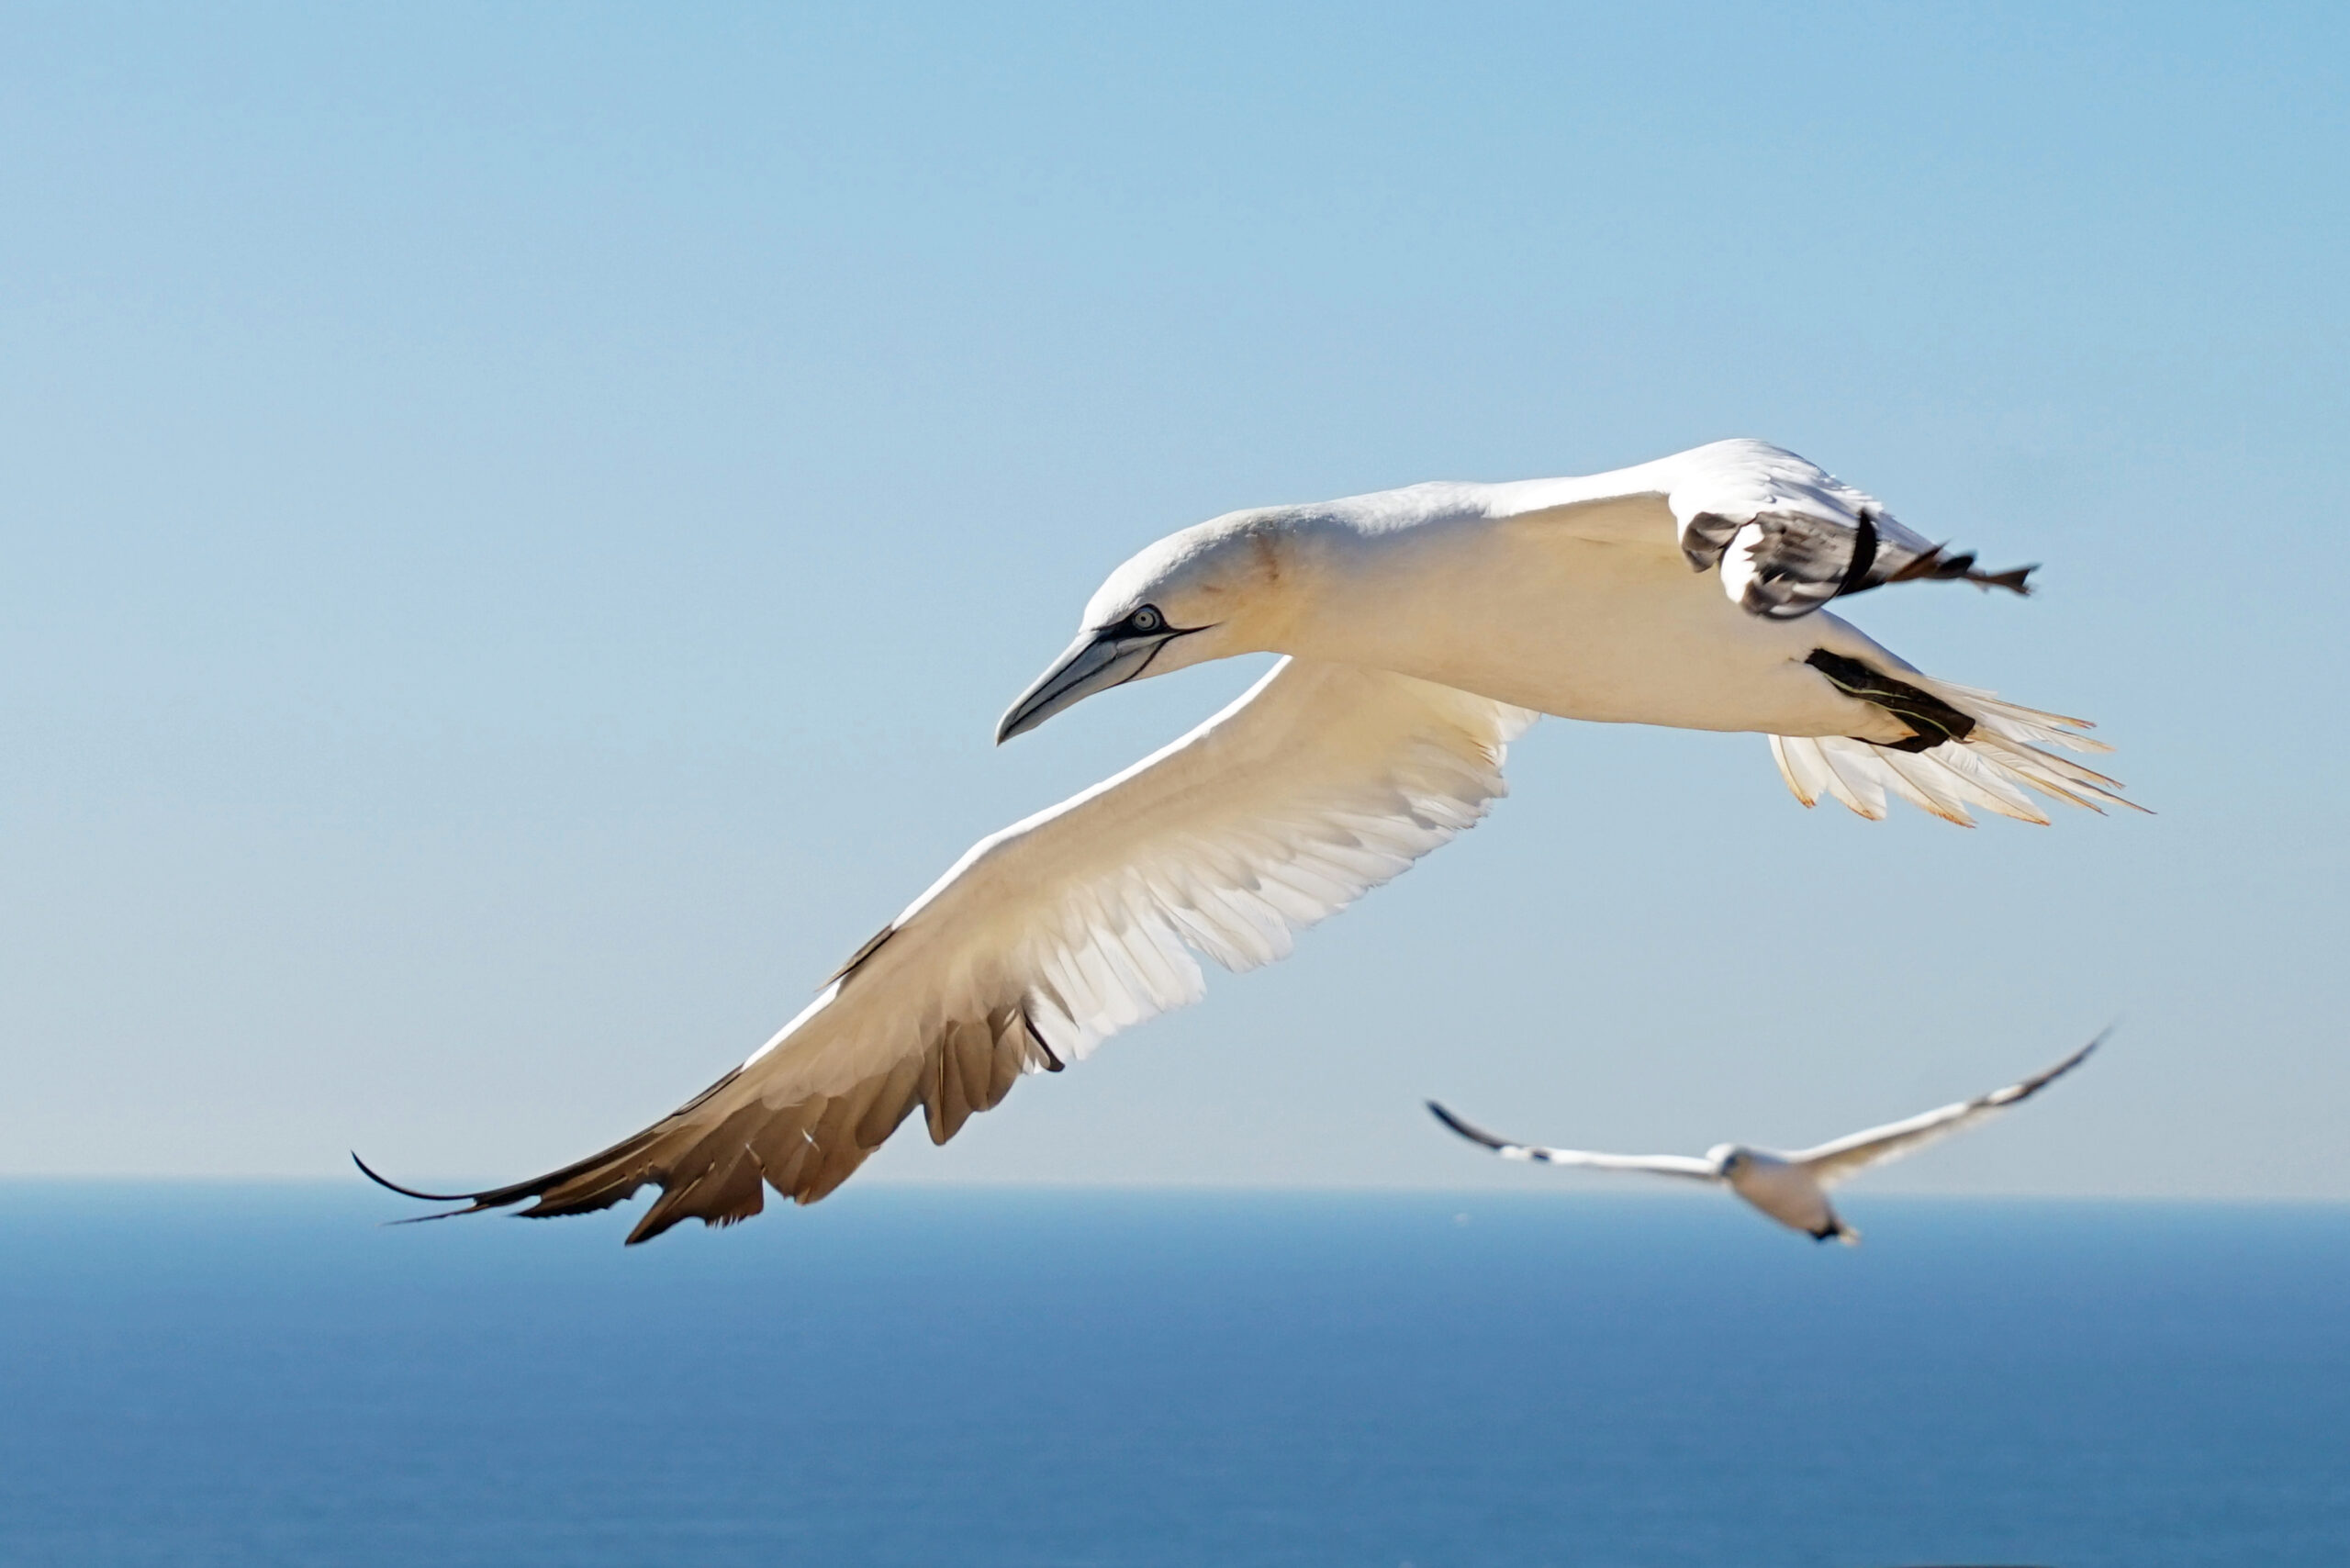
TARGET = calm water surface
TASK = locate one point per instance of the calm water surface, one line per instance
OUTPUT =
(261, 1375)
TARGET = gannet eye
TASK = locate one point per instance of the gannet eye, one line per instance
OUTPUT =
(1146, 620)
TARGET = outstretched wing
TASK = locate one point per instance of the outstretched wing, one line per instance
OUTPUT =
(1661, 1164)
(1321, 782)
(1833, 1162)
(1786, 535)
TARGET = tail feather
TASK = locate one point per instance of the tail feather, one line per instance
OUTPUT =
(2014, 721)
(1990, 768)
(1853, 778)
(1802, 766)
(1940, 790)
(2007, 797)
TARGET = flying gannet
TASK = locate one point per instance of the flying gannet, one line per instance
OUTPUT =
(1422, 629)
(1790, 1188)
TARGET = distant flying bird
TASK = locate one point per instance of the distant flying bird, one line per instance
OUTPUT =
(1790, 1188)
(1425, 629)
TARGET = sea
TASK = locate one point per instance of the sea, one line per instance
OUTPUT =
(254, 1374)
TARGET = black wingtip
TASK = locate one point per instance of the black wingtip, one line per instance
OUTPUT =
(1937, 564)
(1472, 1133)
(2039, 1081)
(424, 1219)
(412, 1193)
(2083, 1054)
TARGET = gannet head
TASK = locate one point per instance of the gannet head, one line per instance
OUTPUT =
(1212, 590)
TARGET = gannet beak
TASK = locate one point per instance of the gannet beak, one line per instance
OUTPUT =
(1095, 662)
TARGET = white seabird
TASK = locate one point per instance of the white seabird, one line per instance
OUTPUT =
(1791, 1188)
(1424, 629)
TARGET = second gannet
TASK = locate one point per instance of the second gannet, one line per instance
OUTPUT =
(1790, 1188)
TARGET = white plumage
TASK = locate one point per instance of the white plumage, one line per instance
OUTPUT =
(1424, 629)
(1790, 1187)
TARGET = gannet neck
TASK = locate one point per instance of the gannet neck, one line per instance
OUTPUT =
(1409, 581)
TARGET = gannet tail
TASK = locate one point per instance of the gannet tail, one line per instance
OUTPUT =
(1990, 764)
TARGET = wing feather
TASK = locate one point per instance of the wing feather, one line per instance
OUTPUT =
(1785, 535)
(1321, 782)
(1653, 1164)
(1833, 1162)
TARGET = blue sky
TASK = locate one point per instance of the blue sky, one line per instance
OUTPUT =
(521, 520)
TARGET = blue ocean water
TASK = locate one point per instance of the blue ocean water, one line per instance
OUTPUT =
(195, 1375)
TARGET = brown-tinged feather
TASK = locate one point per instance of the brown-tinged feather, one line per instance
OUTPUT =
(1010, 1029)
(837, 1154)
(872, 945)
(938, 1067)
(960, 1062)
(667, 1211)
(784, 1147)
(894, 1099)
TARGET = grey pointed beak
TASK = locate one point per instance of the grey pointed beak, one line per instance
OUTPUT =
(1095, 662)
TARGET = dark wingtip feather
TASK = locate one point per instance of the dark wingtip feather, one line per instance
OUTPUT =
(2017, 1093)
(411, 1192)
(2070, 1062)
(1469, 1130)
(1936, 565)
(857, 959)
(444, 1213)
(648, 1227)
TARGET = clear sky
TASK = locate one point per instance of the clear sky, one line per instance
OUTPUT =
(519, 522)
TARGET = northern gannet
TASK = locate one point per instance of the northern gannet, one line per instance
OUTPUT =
(1422, 629)
(1790, 1188)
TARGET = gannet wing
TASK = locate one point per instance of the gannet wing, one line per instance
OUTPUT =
(1659, 1164)
(1319, 783)
(1833, 1162)
(1785, 535)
